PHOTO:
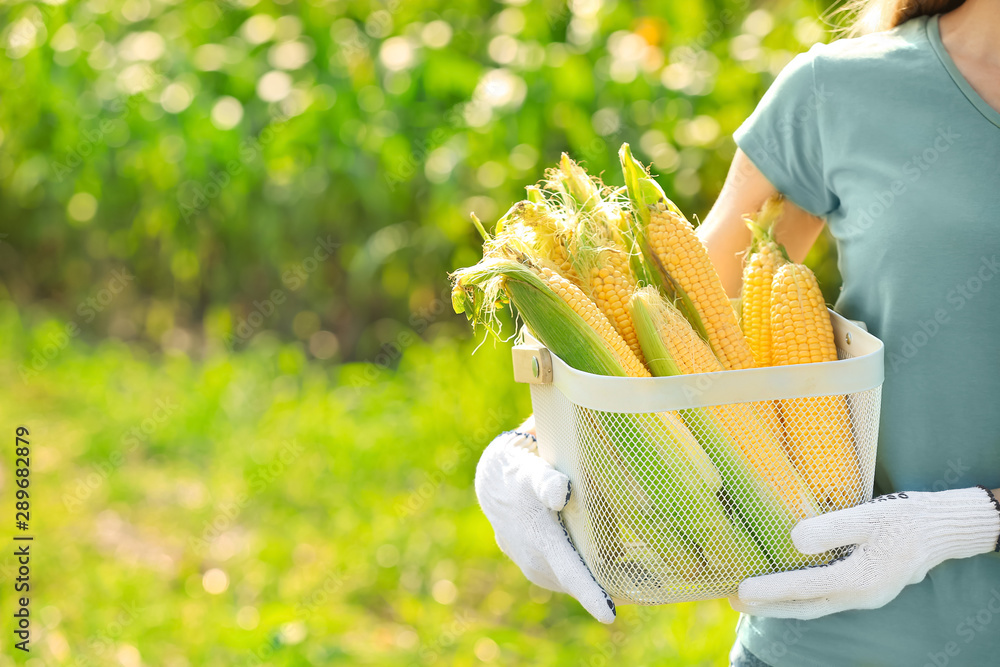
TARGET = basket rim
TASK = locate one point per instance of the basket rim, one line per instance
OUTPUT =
(863, 371)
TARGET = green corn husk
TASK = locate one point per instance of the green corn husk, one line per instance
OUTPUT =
(656, 450)
(571, 179)
(758, 503)
(762, 224)
(648, 446)
(768, 515)
(624, 498)
(550, 319)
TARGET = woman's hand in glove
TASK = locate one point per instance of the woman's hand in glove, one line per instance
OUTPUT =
(521, 496)
(898, 538)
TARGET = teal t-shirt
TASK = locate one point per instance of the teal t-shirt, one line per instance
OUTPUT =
(883, 137)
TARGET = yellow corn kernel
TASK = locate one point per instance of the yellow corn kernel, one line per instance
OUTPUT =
(756, 301)
(592, 315)
(739, 438)
(801, 332)
(672, 239)
(611, 287)
(684, 347)
(818, 435)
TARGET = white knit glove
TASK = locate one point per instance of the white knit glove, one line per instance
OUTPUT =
(899, 537)
(521, 496)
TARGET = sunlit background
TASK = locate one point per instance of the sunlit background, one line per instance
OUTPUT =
(226, 233)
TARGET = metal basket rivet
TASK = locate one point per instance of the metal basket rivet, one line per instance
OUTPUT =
(847, 338)
(535, 370)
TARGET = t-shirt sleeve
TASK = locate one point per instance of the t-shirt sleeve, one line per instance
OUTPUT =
(783, 136)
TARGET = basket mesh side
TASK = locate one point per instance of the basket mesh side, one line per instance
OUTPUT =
(683, 505)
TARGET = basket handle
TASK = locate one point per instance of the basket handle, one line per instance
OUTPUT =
(532, 364)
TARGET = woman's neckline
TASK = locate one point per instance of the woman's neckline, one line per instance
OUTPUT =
(934, 36)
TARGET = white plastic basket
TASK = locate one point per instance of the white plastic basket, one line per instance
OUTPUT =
(648, 513)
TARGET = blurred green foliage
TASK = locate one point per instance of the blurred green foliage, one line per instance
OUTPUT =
(264, 508)
(217, 150)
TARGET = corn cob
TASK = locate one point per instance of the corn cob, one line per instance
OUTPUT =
(683, 346)
(589, 197)
(657, 450)
(817, 430)
(755, 321)
(673, 240)
(611, 286)
(673, 243)
(599, 256)
(556, 311)
(766, 489)
(534, 229)
(598, 246)
(587, 309)
(757, 276)
(800, 323)
(634, 512)
(581, 192)
(756, 324)
(653, 450)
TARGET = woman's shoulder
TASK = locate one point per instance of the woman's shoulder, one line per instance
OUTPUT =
(862, 67)
(874, 53)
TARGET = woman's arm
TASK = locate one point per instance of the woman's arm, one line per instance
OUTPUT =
(726, 235)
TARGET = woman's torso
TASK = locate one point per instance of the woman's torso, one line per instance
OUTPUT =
(884, 137)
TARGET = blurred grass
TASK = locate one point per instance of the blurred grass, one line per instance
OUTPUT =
(336, 503)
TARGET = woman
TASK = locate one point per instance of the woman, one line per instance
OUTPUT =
(892, 139)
